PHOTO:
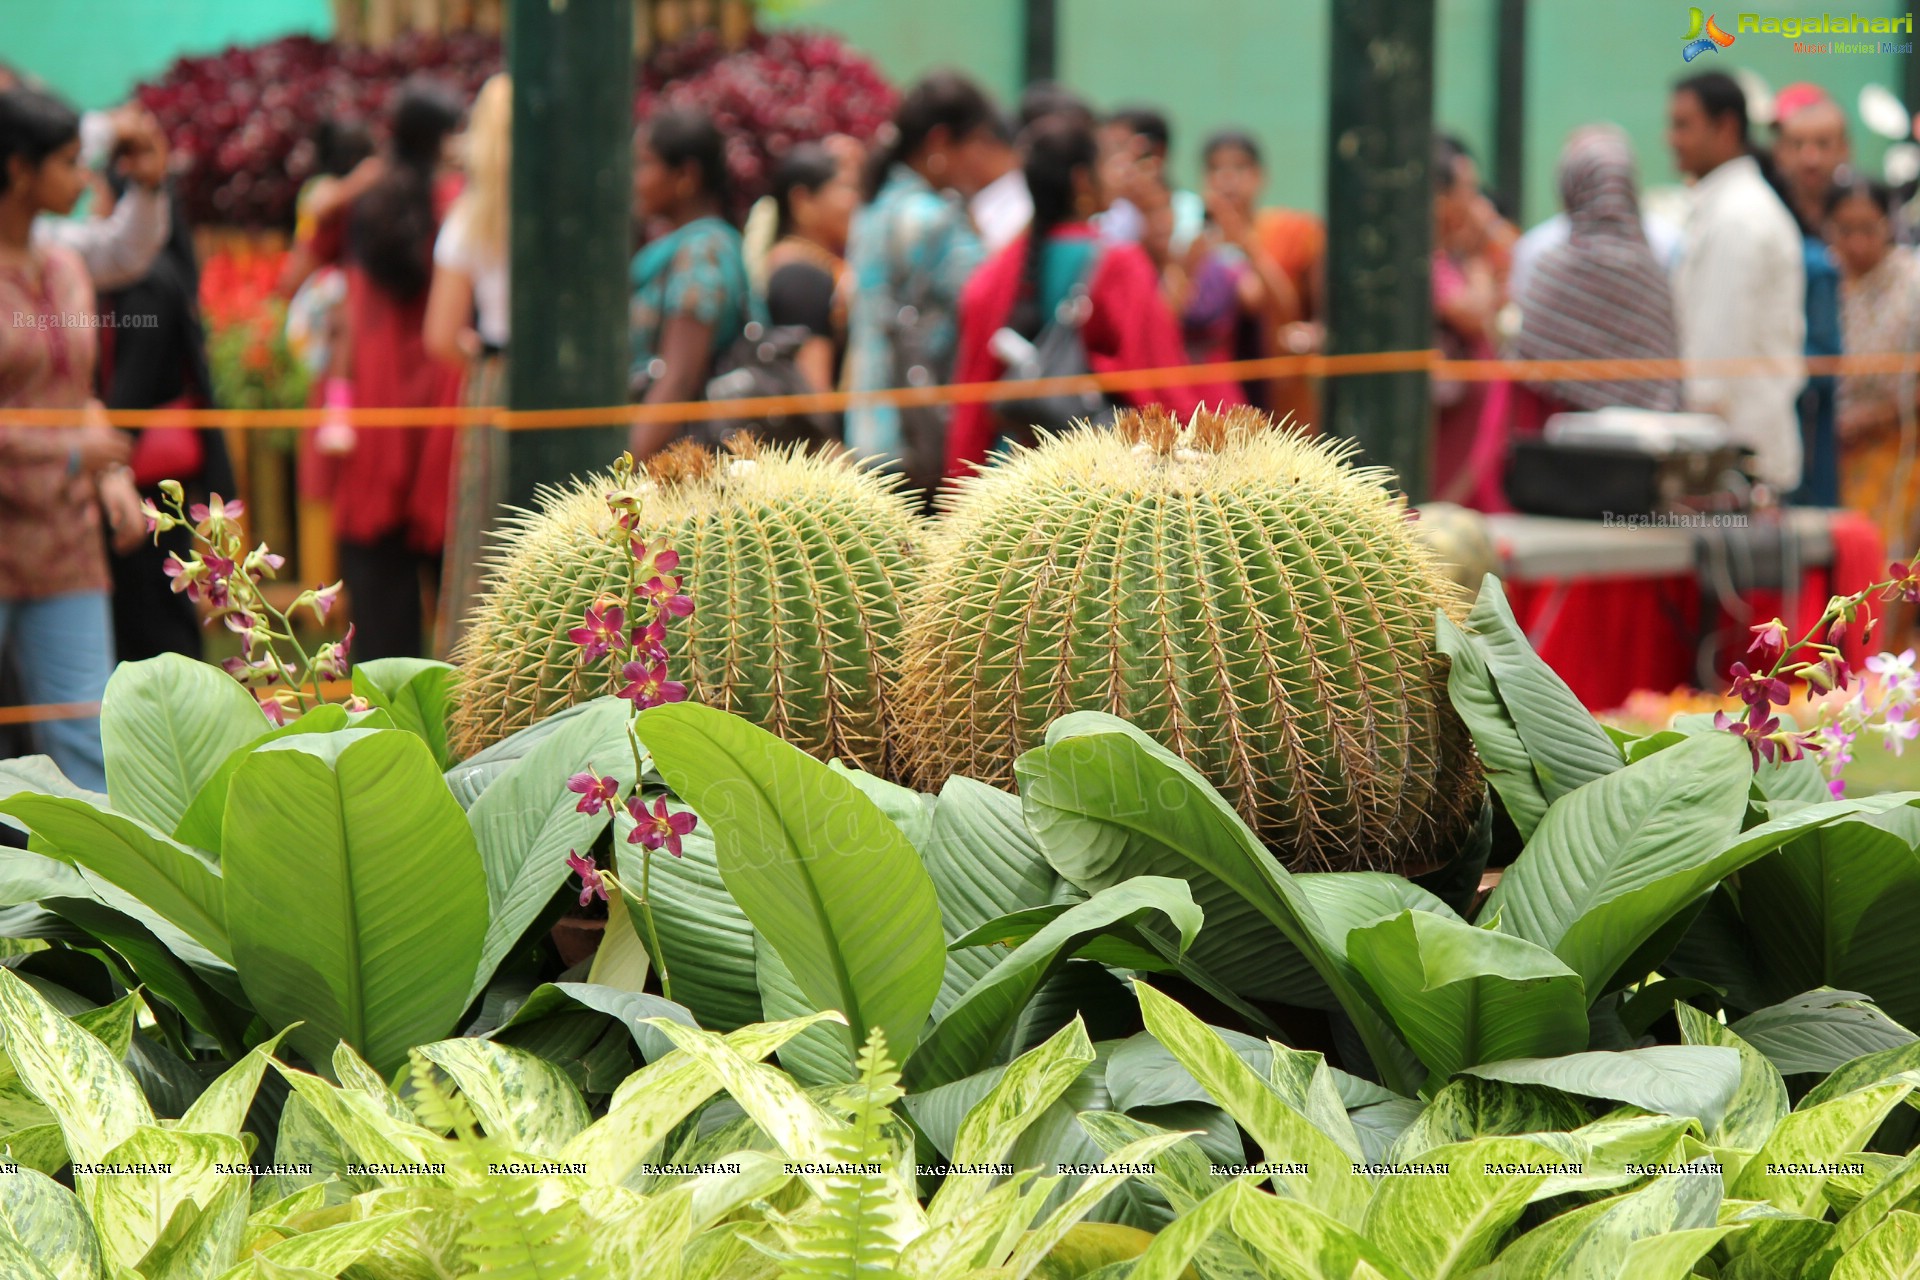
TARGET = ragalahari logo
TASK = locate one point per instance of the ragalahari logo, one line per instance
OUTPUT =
(1703, 36)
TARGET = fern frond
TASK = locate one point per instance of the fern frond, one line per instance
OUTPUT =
(851, 1232)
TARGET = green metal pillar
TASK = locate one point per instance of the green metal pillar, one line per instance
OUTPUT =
(1380, 226)
(572, 66)
(1510, 109)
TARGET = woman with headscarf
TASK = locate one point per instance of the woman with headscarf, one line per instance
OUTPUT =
(1601, 294)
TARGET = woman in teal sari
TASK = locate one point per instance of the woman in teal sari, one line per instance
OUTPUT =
(690, 296)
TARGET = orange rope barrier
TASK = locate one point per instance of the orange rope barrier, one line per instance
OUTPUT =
(1311, 366)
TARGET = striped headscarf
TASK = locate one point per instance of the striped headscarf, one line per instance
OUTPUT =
(1601, 294)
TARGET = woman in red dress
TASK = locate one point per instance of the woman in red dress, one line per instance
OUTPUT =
(389, 485)
(1128, 324)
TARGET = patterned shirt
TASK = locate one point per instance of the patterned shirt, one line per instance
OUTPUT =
(912, 247)
(695, 271)
(50, 539)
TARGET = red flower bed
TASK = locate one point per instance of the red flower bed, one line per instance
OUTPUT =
(237, 118)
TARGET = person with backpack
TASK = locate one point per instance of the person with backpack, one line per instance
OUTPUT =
(1060, 281)
(912, 250)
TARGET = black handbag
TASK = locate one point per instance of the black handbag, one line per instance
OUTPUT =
(762, 362)
(1060, 351)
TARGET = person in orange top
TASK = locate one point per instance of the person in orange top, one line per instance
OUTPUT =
(1296, 242)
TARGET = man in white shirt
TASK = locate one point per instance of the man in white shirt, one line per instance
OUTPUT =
(1740, 285)
(1003, 207)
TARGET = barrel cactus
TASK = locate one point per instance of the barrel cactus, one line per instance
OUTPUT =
(1246, 596)
(797, 566)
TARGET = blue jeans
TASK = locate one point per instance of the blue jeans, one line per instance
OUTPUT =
(62, 647)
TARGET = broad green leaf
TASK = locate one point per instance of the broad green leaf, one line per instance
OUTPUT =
(1520, 710)
(38, 1147)
(1305, 1082)
(907, 809)
(1871, 1068)
(1890, 1190)
(204, 990)
(28, 877)
(1788, 1170)
(330, 1250)
(43, 1227)
(526, 823)
(175, 882)
(630, 1009)
(222, 1107)
(470, 778)
(1041, 1240)
(708, 941)
(1107, 803)
(984, 864)
(1891, 1251)
(1462, 996)
(1760, 1103)
(73, 1074)
(1287, 1137)
(135, 1188)
(372, 934)
(825, 878)
(1839, 907)
(1439, 1227)
(520, 1099)
(803, 1130)
(1821, 1031)
(1185, 1176)
(166, 726)
(356, 1123)
(200, 825)
(622, 961)
(1614, 860)
(415, 692)
(966, 1039)
(200, 1238)
(654, 1099)
(1683, 1080)
(1141, 1073)
(1503, 753)
(1031, 1083)
(1470, 1107)
(1596, 1239)
(1298, 1240)
(820, 1055)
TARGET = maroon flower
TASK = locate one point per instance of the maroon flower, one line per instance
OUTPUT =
(648, 686)
(274, 710)
(1769, 644)
(650, 642)
(656, 828)
(245, 625)
(603, 633)
(332, 661)
(1754, 730)
(592, 883)
(654, 561)
(667, 599)
(1906, 582)
(595, 793)
(1758, 690)
(256, 674)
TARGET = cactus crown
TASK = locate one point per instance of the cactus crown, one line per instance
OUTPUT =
(1247, 596)
(795, 563)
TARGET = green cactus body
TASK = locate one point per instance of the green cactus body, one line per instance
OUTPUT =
(796, 565)
(1247, 597)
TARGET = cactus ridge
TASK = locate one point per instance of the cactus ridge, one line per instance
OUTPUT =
(796, 564)
(1247, 596)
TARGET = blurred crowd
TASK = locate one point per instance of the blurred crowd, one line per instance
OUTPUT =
(965, 243)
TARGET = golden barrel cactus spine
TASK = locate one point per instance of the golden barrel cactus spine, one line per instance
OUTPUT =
(796, 564)
(1244, 595)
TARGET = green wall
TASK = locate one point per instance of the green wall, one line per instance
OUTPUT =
(92, 52)
(1257, 64)
(1261, 65)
